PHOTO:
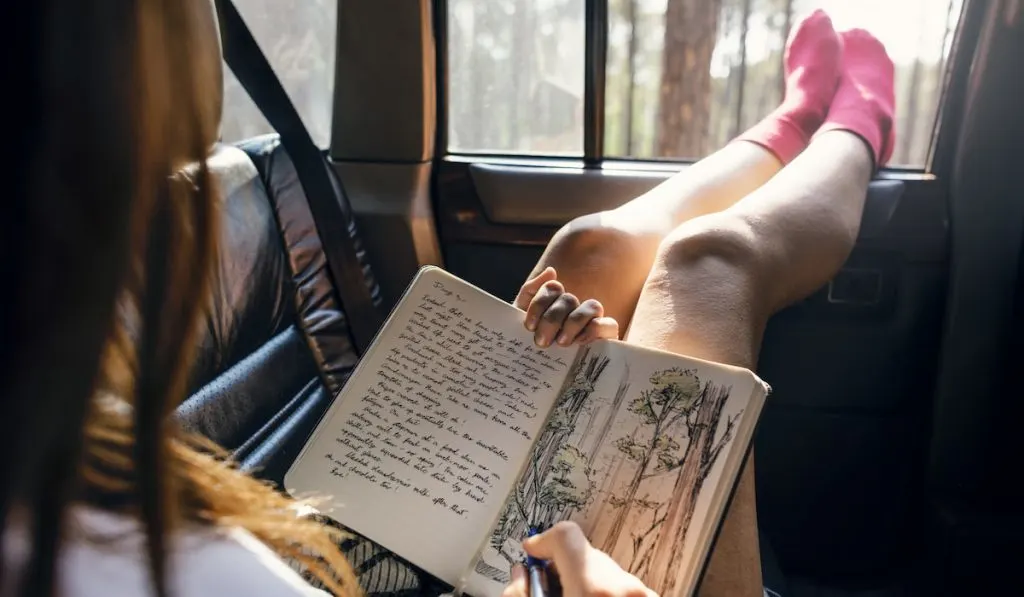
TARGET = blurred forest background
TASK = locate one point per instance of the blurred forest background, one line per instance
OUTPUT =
(682, 76)
(298, 38)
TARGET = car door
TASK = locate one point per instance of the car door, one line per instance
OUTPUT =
(550, 110)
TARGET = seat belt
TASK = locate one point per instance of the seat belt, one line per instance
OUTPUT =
(332, 212)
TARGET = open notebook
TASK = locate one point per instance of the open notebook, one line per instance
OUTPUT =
(456, 433)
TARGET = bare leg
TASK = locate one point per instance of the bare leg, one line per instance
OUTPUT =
(607, 255)
(717, 279)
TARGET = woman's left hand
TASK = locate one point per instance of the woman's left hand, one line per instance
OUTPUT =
(557, 316)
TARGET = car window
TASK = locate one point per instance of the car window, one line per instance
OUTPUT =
(298, 38)
(516, 71)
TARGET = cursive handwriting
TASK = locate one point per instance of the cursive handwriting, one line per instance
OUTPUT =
(444, 405)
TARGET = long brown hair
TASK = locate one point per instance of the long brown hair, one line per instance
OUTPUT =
(106, 247)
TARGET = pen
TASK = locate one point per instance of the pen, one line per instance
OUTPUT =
(535, 570)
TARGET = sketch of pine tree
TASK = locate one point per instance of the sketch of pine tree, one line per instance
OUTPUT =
(620, 396)
(615, 463)
(704, 445)
(671, 397)
(563, 420)
(567, 487)
(500, 535)
(557, 481)
(644, 537)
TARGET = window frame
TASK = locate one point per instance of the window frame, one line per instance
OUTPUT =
(940, 148)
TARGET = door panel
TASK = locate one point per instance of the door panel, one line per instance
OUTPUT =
(539, 196)
(550, 196)
(840, 450)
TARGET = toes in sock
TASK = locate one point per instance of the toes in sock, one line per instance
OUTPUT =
(812, 61)
(865, 102)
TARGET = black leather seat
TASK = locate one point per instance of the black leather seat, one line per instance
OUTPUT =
(276, 346)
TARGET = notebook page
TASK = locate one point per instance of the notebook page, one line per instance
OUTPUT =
(641, 449)
(424, 443)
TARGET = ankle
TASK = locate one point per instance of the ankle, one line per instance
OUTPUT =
(812, 63)
(865, 102)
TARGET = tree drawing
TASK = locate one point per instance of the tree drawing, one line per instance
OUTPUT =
(703, 448)
(644, 536)
(677, 433)
(562, 422)
(606, 427)
(614, 466)
(567, 487)
(557, 481)
(629, 465)
(658, 408)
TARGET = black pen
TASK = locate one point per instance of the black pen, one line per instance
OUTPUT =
(535, 569)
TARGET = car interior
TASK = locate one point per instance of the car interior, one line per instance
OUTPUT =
(885, 458)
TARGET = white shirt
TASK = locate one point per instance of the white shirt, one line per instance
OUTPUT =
(104, 555)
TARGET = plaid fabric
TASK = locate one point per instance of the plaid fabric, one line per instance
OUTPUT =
(380, 572)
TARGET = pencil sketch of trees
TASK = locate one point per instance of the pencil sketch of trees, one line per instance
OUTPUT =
(678, 433)
(567, 487)
(658, 409)
(560, 426)
(703, 448)
(643, 536)
(558, 479)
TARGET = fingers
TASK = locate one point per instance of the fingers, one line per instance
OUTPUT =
(542, 300)
(555, 316)
(533, 286)
(563, 544)
(543, 313)
(576, 321)
(598, 328)
(558, 317)
(518, 585)
(583, 570)
(582, 325)
(602, 328)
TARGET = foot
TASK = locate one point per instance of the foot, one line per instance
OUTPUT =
(865, 102)
(812, 63)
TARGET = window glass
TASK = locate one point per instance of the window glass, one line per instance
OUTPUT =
(515, 71)
(298, 39)
(733, 74)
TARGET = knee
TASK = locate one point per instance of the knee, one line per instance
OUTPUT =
(603, 233)
(716, 258)
(717, 240)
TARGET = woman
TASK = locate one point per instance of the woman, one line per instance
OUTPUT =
(100, 493)
(116, 104)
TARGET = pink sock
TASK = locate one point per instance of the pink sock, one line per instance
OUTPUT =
(865, 102)
(812, 72)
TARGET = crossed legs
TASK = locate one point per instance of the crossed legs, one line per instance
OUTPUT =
(708, 286)
(716, 280)
(699, 264)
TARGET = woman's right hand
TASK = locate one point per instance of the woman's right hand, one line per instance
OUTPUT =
(583, 570)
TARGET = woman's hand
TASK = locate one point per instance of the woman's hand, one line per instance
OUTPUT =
(583, 571)
(556, 316)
